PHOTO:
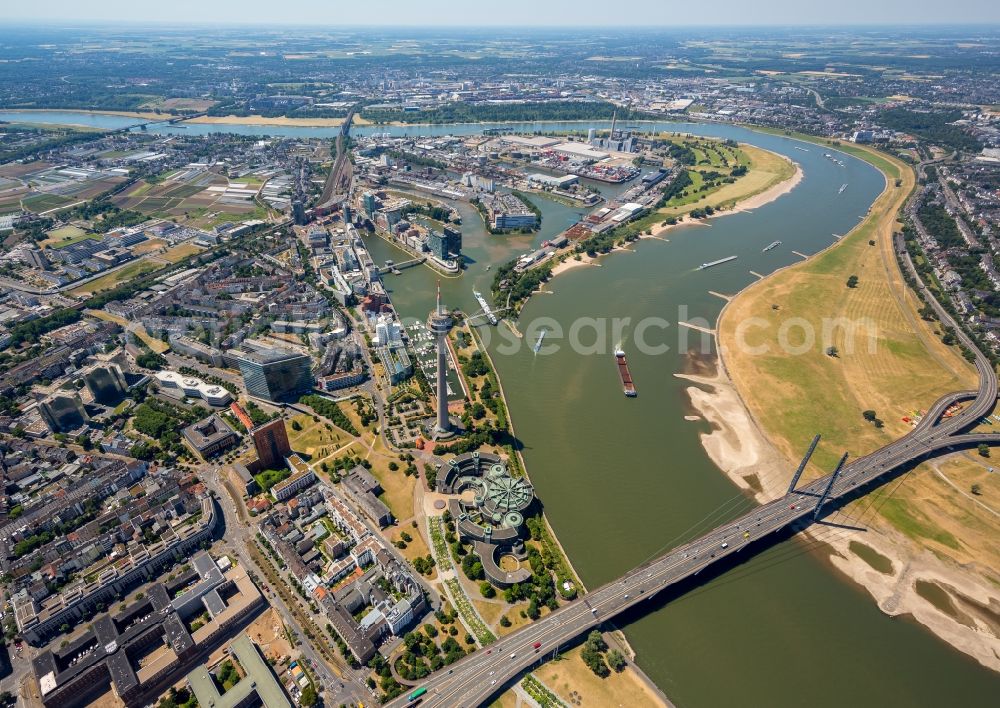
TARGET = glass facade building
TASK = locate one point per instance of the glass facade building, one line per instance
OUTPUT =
(106, 383)
(275, 374)
(445, 243)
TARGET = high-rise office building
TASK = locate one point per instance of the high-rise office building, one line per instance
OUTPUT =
(275, 374)
(435, 242)
(107, 383)
(63, 411)
(388, 331)
(453, 239)
(370, 203)
(446, 244)
(271, 442)
(439, 323)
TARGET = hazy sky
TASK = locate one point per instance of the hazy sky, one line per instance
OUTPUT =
(510, 12)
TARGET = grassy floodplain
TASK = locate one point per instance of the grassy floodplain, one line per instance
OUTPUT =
(909, 368)
(792, 397)
(765, 169)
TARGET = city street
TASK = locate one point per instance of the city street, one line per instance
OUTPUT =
(238, 537)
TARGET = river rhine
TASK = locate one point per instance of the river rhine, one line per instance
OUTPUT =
(623, 480)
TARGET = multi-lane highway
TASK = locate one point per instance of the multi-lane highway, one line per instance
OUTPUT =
(474, 679)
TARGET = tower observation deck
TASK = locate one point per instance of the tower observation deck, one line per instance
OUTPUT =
(440, 323)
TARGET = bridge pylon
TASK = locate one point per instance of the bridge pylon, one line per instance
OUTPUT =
(829, 487)
(802, 465)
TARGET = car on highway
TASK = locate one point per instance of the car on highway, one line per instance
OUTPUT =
(725, 544)
(538, 645)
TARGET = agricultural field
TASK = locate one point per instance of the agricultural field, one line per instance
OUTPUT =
(195, 196)
(15, 170)
(12, 190)
(40, 187)
(39, 203)
(206, 219)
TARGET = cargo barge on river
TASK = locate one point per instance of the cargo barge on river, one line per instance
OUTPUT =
(627, 386)
(703, 266)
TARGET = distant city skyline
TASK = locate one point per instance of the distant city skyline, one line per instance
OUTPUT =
(513, 13)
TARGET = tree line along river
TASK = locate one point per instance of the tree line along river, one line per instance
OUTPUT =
(622, 479)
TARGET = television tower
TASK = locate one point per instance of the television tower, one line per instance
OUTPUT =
(440, 323)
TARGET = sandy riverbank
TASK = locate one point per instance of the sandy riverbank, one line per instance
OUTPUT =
(560, 121)
(959, 603)
(770, 194)
(148, 115)
(738, 447)
(279, 121)
(660, 230)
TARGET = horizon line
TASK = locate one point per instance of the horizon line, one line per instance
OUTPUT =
(69, 22)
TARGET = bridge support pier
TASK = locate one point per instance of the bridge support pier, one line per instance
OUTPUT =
(826, 492)
(802, 465)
